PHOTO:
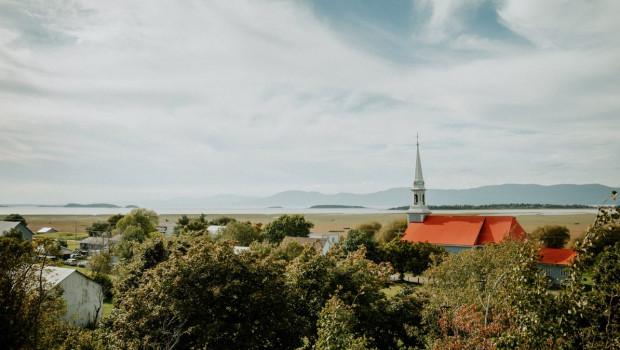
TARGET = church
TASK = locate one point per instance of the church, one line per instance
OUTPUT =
(454, 232)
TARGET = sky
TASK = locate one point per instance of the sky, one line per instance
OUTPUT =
(135, 101)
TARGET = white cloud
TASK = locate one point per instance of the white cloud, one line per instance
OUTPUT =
(129, 99)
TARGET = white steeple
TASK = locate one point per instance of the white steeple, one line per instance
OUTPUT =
(418, 209)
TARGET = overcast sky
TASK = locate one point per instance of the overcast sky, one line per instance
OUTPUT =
(129, 101)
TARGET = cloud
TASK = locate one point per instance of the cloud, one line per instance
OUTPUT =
(120, 99)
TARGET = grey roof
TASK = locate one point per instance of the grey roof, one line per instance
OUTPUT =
(7, 226)
(101, 240)
(55, 275)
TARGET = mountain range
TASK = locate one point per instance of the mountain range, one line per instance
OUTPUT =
(591, 194)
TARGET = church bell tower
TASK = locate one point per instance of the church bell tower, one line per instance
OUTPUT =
(418, 209)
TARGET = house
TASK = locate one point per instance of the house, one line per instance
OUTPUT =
(46, 230)
(317, 243)
(99, 243)
(83, 296)
(553, 263)
(455, 233)
(332, 239)
(166, 228)
(6, 226)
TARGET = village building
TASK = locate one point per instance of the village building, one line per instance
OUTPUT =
(455, 233)
(46, 230)
(83, 296)
(554, 261)
(330, 240)
(6, 226)
(99, 243)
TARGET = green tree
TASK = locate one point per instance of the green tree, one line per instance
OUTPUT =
(99, 228)
(16, 217)
(208, 297)
(336, 328)
(371, 228)
(355, 239)
(114, 219)
(241, 232)
(222, 221)
(411, 257)
(29, 307)
(100, 263)
(552, 236)
(293, 225)
(143, 219)
(392, 230)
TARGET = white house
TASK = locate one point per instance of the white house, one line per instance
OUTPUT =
(83, 296)
(6, 226)
(331, 239)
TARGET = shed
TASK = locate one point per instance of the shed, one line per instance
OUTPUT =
(46, 230)
(83, 296)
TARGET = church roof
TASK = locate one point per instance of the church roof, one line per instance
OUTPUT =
(555, 256)
(463, 230)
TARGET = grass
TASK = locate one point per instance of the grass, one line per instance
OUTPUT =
(107, 308)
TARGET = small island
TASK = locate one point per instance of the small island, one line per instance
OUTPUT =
(336, 206)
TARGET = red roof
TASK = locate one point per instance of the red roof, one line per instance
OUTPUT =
(463, 230)
(555, 256)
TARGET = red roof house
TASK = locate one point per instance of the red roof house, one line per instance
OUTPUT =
(458, 233)
(554, 261)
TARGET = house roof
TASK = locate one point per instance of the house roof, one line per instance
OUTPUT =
(55, 275)
(317, 243)
(555, 256)
(101, 240)
(46, 229)
(463, 230)
(8, 225)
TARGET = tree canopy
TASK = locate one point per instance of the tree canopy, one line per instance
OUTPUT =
(287, 225)
(552, 236)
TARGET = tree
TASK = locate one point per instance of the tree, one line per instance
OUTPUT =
(143, 219)
(114, 219)
(371, 228)
(100, 263)
(392, 230)
(16, 217)
(222, 221)
(208, 297)
(29, 307)
(355, 239)
(335, 328)
(411, 256)
(293, 225)
(99, 228)
(552, 236)
(241, 232)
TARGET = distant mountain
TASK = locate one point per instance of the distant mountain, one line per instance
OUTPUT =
(499, 194)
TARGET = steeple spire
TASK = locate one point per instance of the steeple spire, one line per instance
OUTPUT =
(418, 209)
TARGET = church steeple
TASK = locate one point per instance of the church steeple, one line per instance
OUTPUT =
(418, 209)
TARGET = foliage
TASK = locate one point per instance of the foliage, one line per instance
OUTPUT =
(335, 328)
(208, 297)
(411, 256)
(287, 225)
(114, 219)
(371, 228)
(241, 232)
(355, 239)
(29, 307)
(590, 318)
(13, 233)
(552, 236)
(222, 221)
(100, 263)
(99, 228)
(140, 218)
(392, 230)
(106, 284)
(16, 217)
